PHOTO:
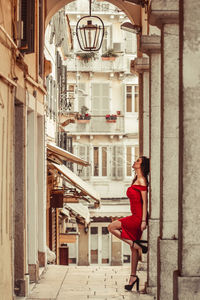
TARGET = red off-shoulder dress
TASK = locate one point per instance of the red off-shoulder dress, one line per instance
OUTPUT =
(131, 225)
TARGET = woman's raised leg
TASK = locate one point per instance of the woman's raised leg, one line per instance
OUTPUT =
(115, 229)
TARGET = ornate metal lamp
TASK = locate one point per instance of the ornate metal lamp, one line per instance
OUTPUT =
(90, 32)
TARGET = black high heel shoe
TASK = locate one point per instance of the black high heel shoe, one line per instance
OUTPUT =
(129, 287)
(139, 243)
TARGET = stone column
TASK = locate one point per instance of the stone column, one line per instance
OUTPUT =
(141, 66)
(41, 184)
(116, 251)
(165, 15)
(151, 45)
(188, 281)
(21, 280)
(83, 246)
(32, 204)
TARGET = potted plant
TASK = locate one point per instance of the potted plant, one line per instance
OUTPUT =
(83, 117)
(109, 55)
(111, 118)
(86, 56)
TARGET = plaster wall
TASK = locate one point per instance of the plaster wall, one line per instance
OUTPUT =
(189, 149)
(6, 160)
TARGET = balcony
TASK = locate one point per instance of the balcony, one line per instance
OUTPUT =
(98, 124)
(120, 64)
(97, 7)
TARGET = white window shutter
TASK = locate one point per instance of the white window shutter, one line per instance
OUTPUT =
(83, 152)
(113, 163)
(119, 162)
(81, 98)
(100, 98)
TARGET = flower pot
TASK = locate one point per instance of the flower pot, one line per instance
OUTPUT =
(112, 58)
(83, 121)
(111, 121)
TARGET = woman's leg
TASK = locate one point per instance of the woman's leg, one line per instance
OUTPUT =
(134, 263)
(114, 228)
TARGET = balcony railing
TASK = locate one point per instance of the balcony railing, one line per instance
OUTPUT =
(106, 8)
(98, 124)
(120, 64)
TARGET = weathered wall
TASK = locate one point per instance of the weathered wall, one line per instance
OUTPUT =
(83, 247)
(6, 161)
(18, 74)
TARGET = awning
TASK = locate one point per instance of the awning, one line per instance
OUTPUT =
(73, 179)
(65, 155)
(111, 211)
(79, 210)
(65, 212)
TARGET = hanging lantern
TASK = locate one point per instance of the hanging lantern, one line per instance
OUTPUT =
(90, 32)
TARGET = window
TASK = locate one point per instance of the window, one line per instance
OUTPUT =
(81, 96)
(70, 96)
(96, 161)
(117, 162)
(100, 161)
(100, 98)
(28, 19)
(83, 152)
(107, 40)
(41, 38)
(136, 152)
(128, 161)
(130, 42)
(132, 98)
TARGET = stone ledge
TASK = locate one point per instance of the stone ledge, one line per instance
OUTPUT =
(150, 44)
(140, 65)
(163, 12)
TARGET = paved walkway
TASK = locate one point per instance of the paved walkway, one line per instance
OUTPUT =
(80, 283)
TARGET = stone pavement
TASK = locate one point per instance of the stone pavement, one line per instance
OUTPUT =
(92, 282)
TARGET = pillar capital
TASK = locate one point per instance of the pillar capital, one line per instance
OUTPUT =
(140, 64)
(150, 44)
(163, 12)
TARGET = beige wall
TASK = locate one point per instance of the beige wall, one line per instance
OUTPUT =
(15, 80)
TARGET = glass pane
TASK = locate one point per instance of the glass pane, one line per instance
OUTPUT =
(72, 253)
(71, 88)
(128, 162)
(96, 161)
(136, 103)
(136, 152)
(104, 161)
(94, 245)
(105, 245)
(136, 89)
(129, 89)
(129, 103)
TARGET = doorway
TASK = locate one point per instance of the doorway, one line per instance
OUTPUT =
(99, 244)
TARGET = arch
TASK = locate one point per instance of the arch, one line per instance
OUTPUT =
(132, 11)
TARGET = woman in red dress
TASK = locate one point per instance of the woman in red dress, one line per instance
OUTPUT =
(129, 229)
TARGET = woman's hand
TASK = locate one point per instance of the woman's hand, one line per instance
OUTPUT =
(143, 225)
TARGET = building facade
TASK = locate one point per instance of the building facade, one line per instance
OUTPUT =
(167, 64)
(105, 94)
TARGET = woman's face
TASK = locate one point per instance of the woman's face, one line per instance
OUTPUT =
(137, 163)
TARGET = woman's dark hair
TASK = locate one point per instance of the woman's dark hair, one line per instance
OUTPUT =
(144, 169)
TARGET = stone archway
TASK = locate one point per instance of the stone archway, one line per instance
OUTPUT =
(133, 12)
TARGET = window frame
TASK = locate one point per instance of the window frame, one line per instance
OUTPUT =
(100, 161)
(133, 98)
